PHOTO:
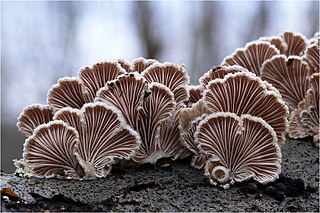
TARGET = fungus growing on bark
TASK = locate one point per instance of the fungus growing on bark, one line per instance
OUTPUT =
(240, 148)
(304, 120)
(288, 75)
(244, 93)
(252, 56)
(49, 152)
(144, 106)
(103, 137)
(33, 116)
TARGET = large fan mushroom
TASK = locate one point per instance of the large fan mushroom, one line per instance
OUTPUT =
(240, 148)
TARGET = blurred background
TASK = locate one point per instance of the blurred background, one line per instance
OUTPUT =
(43, 41)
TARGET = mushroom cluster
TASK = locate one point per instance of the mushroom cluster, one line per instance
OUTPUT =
(287, 62)
(111, 111)
(230, 126)
(233, 123)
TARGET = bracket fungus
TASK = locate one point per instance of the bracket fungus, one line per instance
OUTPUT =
(296, 43)
(304, 120)
(277, 41)
(195, 94)
(289, 75)
(240, 147)
(32, 116)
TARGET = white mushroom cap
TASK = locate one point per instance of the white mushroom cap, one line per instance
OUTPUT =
(289, 75)
(242, 147)
(32, 116)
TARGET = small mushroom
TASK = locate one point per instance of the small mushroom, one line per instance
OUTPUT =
(288, 75)
(244, 93)
(126, 94)
(141, 64)
(195, 94)
(95, 77)
(252, 56)
(278, 42)
(173, 76)
(219, 72)
(296, 43)
(144, 113)
(33, 116)
(304, 120)
(241, 147)
(68, 92)
(49, 152)
(189, 119)
(312, 56)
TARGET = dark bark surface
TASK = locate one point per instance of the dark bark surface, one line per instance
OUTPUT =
(175, 188)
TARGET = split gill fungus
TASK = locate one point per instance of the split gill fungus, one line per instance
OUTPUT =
(232, 123)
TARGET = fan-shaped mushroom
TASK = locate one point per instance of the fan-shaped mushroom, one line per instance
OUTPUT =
(171, 75)
(252, 56)
(240, 148)
(304, 121)
(50, 150)
(195, 94)
(289, 75)
(189, 119)
(95, 77)
(104, 136)
(219, 72)
(33, 116)
(312, 56)
(68, 92)
(296, 43)
(278, 42)
(244, 93)
(144, 106)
